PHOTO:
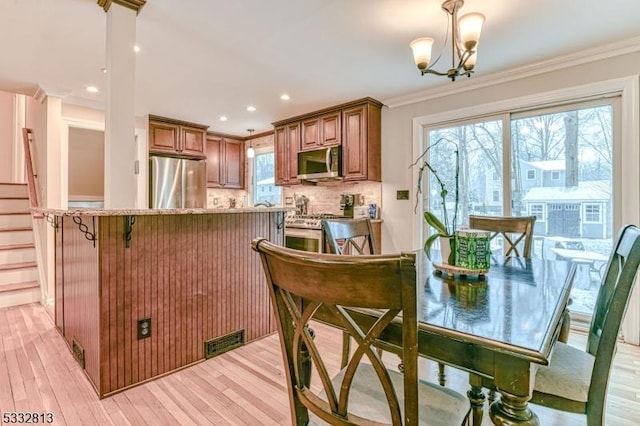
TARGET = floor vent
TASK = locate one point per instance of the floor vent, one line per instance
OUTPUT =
(78, 353)
(215, 347)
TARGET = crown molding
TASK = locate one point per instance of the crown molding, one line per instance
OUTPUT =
(42, 92)
(131, 4)
(562, 62)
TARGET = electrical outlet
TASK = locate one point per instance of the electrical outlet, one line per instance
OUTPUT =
(144, 328)
(402, 194)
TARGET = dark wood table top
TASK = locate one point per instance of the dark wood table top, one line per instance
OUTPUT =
(515, 307)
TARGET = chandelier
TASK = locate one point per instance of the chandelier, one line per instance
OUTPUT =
(465, 34)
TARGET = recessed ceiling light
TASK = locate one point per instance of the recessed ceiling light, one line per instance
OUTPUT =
(223, 118)
(284, 97)
(136, 48)
(251, 108)
(92, 89)
(104, 70)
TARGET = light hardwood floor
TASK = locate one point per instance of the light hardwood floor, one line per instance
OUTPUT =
(241, 387)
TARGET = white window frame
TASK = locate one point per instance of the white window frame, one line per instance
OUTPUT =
(555, 175)
(531, 171)
(251, 176)
(626, 155)
(542, 216)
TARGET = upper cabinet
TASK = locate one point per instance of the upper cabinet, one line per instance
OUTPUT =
(225, 161)
(174, 137)
(361, 142)
(321, 131)
(286, 147)
(354, 125)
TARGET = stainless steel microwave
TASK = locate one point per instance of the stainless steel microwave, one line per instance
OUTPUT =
(320, 164)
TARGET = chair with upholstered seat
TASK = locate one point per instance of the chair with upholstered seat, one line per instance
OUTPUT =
(576, 380)
(304, 286)
(350, 237)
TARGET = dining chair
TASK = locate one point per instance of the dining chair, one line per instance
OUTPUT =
(302, 284)
(351, 237)
(576, 380)
(513, 229)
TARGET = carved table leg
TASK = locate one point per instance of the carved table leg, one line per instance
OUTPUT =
(512, 410)
(476, 397)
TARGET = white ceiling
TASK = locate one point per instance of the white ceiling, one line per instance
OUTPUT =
(204, 58)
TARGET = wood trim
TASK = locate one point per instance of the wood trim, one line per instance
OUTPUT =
(328, 110)
(130, 4)
(177, 122)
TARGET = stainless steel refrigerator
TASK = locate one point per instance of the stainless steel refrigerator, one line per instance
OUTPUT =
(177, 183)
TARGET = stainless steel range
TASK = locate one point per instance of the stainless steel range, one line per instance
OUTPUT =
(304, 232)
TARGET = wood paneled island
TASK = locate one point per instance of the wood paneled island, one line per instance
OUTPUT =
(190, 273)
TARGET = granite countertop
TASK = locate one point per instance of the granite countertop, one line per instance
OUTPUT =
(143, 212)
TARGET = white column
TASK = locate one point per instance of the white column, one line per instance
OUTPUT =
(119, 147)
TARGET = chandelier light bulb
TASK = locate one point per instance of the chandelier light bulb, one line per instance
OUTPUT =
(470, 27)
(422, 51)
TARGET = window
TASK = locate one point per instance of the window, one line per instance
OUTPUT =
(263, 189)
(592, 213)
(495, 176)
(537, 210)
(571, 145)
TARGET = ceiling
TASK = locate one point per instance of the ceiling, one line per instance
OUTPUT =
(201, 59)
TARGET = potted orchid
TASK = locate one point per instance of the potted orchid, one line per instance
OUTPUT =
(444, 226)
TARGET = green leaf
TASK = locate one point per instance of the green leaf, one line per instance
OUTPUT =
(429, 243)
(436, 224)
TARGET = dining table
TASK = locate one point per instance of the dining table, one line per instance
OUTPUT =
(499, 325)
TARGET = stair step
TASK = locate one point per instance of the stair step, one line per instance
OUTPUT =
(17, 253)
(18, 272)
(15, 220)
(13, 190)
(12, 236)
(20, 294)
(19, 265)
(19, 286)
(14, 205)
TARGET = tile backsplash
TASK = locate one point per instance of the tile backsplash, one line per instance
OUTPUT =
(325, 197)
(220, 198)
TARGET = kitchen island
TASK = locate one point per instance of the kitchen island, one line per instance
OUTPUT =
(142, 293)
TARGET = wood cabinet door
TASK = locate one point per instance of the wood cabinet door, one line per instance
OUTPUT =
(233, 164)
(192, 141)
(310, 134)
(281, 155)
(214, 161)
(293, 146)
(163, 138)
(330, 129)
(354, 143)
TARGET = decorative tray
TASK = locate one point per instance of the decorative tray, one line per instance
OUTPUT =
(452, 270)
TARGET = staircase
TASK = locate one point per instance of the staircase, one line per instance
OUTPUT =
(18, 268)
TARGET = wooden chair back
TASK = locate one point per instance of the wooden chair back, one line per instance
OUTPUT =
(514, 230)
(333, 283)
(611, 305)
(349, 236)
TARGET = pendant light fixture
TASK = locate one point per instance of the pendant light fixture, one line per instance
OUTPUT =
(465, 35)
(250, 151)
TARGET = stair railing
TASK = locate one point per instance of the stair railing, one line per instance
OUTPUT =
(32, 176)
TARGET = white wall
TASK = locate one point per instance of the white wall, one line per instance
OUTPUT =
(6, 136)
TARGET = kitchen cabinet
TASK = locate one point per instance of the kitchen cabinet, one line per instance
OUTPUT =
(286, 147)
(321, 131)
(356, 126)
(225, 162)
(361, 142)
(174, 137)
